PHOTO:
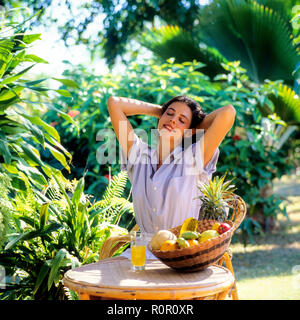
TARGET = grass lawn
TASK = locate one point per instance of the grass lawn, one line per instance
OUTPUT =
(264, 270)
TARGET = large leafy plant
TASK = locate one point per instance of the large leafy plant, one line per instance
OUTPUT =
(257, 33)
(21, 128)
(55, 230)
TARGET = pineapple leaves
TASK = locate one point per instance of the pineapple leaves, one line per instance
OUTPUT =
(216, 197)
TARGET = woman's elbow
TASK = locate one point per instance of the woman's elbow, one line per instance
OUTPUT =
(111, 101)
(231, 109)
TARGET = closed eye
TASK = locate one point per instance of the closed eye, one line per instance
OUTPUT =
(170, 114)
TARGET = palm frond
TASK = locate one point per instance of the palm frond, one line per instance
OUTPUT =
(172, 41)
(6, 46)
(255, 34)
(286, 104)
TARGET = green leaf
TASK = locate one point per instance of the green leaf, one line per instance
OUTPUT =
(11, 168)
(29, 38)
(70, 120)
(68, 82)
(33, 173)
(41, 276)
(4, 149)
(28, 235)
(62, 189)
(59, 156)
(34, 58)
(16, 239)
(49, 228)
(6, 46)
(64, 93)
(34, 82)
(37, 133)
(78, 191)
(31, 154)
(58, 145)
(56, 263)
(49, 129)
(8, 93)
(44, 214)
(15, 77)
(63, 115)
(30, 221)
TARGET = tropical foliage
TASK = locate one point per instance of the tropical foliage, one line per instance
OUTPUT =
(63, 230)
(267, 51)
(21, 131)
(260, 48)
(47, 223)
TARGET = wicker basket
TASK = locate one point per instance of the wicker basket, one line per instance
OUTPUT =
(200, 256)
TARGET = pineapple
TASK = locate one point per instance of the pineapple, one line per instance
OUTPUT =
(215, 199)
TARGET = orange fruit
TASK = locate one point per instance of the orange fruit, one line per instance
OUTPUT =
(169, 245)
(192, 242)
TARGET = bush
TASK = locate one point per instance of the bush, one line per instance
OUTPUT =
(55, 231)
(23, 132)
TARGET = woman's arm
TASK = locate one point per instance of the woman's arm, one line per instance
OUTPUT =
(132, 107)
(208, 120)
(119, 108)
(216, 125)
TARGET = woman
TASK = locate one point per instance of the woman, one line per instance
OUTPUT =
(164, 179)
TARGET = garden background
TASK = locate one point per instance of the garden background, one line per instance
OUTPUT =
(59, 203)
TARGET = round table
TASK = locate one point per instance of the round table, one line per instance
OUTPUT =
(113, 278)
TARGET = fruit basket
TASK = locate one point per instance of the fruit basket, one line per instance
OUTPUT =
(199, 256)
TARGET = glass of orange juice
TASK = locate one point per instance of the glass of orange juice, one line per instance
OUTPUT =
(138, 250)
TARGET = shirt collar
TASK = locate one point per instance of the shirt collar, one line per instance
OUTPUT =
(175, 154)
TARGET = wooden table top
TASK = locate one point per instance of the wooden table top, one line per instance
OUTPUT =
(114, 278)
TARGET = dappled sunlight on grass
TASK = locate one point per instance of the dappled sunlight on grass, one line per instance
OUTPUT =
(264, 269)
(269, 288)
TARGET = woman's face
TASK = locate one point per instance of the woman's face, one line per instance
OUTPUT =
(174, 121)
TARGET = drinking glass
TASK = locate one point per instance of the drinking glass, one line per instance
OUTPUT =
(138, 250)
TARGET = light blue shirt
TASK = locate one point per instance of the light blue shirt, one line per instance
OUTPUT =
(164, 198)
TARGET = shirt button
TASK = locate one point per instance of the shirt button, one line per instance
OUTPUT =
(154, 209)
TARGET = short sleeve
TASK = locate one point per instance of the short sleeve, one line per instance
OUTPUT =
(135, 152)
(211, 166)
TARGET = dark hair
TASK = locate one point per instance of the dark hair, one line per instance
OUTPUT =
(197, 113)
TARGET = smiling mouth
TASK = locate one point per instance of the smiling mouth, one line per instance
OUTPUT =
(169, 128)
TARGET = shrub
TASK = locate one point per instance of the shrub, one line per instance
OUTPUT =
(21, 131)
(56, 230)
